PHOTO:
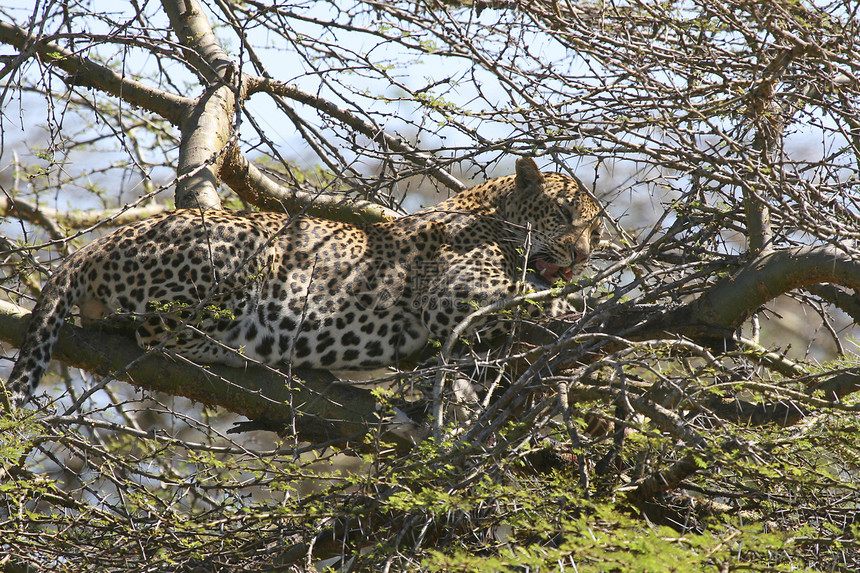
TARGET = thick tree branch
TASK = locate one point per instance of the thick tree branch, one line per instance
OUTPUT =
(734, 299)
(50, 219)
(203, 51)
(769, 123)
(207, 130)
(322, 409)
(205, 135)
(254, 186)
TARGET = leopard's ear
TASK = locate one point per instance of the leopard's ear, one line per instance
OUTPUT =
(528, 174)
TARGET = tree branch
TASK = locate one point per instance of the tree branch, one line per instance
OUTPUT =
(767, 117)
(848, 303)
(320, 408)
(254, 186)
(734, 299)
(206, 123)
(85, 72)
(367, 129)
(207, 130)
(50, 219)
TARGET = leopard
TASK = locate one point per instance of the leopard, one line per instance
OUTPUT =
(229, 287)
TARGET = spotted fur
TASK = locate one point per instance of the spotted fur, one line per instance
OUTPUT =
(223, 286)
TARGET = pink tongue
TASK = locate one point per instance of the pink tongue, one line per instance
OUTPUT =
(551, 271)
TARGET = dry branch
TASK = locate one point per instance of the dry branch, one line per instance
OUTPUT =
(372, 132)
(255, 187)
(51, 219)
(85, 72)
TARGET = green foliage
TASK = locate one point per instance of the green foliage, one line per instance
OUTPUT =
(755, 496)
(605, 540)
(209, 311)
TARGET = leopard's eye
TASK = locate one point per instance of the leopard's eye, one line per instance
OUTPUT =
(567, 215)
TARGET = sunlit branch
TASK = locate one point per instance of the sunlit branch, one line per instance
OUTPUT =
(732, 300)
(208, 127)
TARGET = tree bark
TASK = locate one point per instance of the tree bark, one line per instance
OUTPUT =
(734, 299)
(208, 129)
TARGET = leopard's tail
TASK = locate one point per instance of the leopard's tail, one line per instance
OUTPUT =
(60, 293)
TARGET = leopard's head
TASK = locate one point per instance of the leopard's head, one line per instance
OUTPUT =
(561, 219)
